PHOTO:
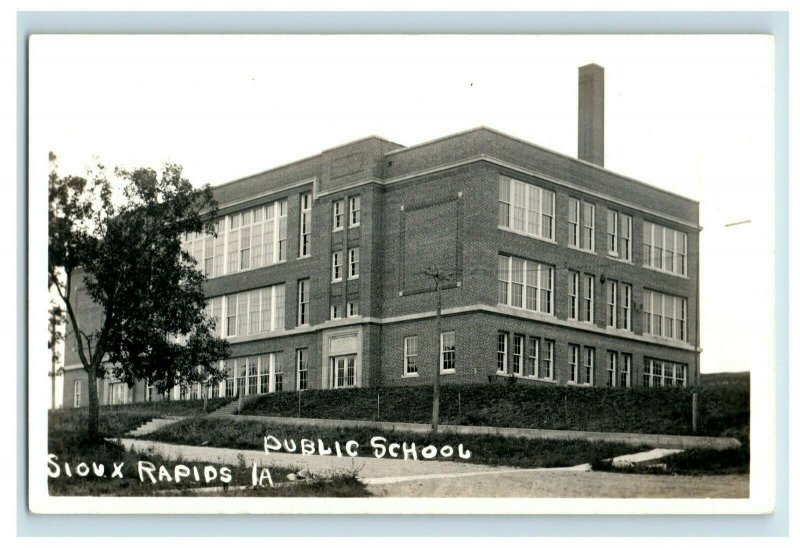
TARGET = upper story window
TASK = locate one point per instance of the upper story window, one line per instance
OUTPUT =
(336, 266)
(581, 224)
(664, 249)
(305, 224)
(352, 309)
(664, 315)
(618, 301)
(619, 228)
(355, 211)
(249, 239)
(581, 297)
(303, 299)
(207, 250)
(353, 263)
(249, 312)
(525, 284)
(338, 215)
(527, 209)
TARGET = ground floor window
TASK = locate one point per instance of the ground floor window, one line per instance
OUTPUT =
(344, 371)
(447, 358)
(588, 365)
(502, 352)
(302, 368)
(76, 394)
(611, 369)
(663, 373)
(410, 355)
(119, 393)
(625, 372)
(574, 360)
(253, 375)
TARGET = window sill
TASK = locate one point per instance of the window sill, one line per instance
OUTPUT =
(667, 272)
(447, 371)
(352, 278)
(579, 384)
(619, 259)
(336, 281)
(354, 226)
(304, 257)
(338, 229)
(589, 251)
(409, 376)
(532, 236)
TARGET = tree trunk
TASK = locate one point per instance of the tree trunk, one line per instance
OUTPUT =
(205, 397)
(94, 405)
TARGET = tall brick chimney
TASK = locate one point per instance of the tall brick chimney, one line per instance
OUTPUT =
(591, 83)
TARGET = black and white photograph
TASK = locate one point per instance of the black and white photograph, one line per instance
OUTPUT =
(473, 274)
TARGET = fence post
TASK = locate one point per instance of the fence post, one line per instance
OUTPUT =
(299, 412)
(379, 406)
(694, 412)
(566, 412)
(459, 406)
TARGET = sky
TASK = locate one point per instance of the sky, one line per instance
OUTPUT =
(689, 114)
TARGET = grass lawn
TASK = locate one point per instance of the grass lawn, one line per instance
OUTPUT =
(724, 407)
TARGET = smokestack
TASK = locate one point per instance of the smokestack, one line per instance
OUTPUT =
(591, 83)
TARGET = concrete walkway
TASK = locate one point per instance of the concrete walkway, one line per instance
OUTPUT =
(653, 440)
(366, 467)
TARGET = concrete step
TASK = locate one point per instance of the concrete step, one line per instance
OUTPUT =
(225, 410)
(643, 458)
(153, 425)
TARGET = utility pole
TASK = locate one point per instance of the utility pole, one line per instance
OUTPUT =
(433, 272)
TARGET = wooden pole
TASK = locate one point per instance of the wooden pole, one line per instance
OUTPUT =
(694, 411)
(435, 420)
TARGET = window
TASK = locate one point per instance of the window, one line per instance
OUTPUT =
(344, 371)
(305, 224)
(517, 354)
(352, 309)
(336, 311)
(625, 307)
(302, 368)
(588, 365)
(525, 284)
(587, 298)
(574, 360)
(230, 378)
(581, 224)
(353, 263)
(619, 227)
(664, 249)
(207, 250)
(663, 373)
(625, 373)
(302, 302)
(214, 311)
(546, 371)
(278, 368)
(611, 369)
(574, 282)
(502, 352)
(410, 355)
(448, 353)
(355, 211)
(76, 394)
(527, 209)
(336, 266)
(664, 315)
(611, 303)
(251, 312)
(338, 215)
(532, 361)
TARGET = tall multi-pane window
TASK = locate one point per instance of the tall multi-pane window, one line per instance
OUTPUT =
(546, 369)
(625, 372)
(214, 311)
(611, 369)
(343, 369)
(338, 215)
(517, 353)
(574, 356)
(664, 249)
(502, 353)
(664, 315)
(352, 261)
(302, 368)
(336, 266)
(305, 224)
(278, 372)
(525, 284)
(447, 358)
(611, 303)
(303, 302)
(581, 224)
(588, 365)
(526, 208)
(574, 283)
(663, 373)
(532, 360)
(410, 355)
(256, 311)
(587, 298)
(355, 211)
(76, 394)
(625, 307)
(619, 227)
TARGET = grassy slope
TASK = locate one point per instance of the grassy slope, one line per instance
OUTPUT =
(724, 407)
